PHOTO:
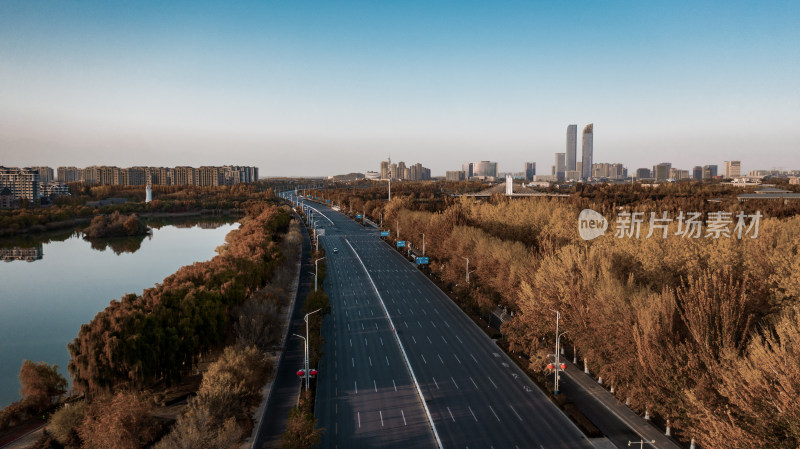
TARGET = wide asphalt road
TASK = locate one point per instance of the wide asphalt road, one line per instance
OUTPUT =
(367, 396)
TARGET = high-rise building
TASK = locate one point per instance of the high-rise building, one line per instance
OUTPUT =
(183, 176)
(22, 182)
(643, 173)
(732, 169)
(561, 167)
(45, 174)
(572, 147)
(709, 171)
(661, 171)
(457, 175)
(468, 169)
(588, 150)
(485, 169)
(401, 170)
(67, 174)
(697, 173)
(530, 170)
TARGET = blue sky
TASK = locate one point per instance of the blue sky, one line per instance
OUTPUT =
(320, 88)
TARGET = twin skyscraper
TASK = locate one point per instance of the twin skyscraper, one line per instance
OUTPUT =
(572, 164)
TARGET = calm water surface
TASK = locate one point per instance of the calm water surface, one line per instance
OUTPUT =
(44, 302)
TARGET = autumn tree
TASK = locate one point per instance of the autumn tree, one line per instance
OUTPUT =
(41, 383)
(122, 421)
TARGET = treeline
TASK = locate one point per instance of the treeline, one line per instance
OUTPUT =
(167, 199)
(219, 414)
(115, 225)
(701, 332)
(161, 334)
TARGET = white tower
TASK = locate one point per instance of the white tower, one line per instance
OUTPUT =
(509, 185)
(148, 194)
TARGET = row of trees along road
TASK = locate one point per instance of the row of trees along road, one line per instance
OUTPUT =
(702, 332)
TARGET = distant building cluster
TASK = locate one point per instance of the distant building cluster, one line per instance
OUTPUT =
(399, 170)
(34, 183)
(165, 176)
(483, 170)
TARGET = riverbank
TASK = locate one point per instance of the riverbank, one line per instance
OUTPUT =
(80, 221)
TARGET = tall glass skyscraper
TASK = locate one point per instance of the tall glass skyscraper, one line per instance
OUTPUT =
(588, 148)
(572, 146)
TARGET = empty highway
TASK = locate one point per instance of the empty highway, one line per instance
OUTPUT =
(392, 335)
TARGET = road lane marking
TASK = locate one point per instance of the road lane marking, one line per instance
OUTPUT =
(404, 417)
(515, 412)
(490, 380)
(434, 324)
(362, 326)
(459, 340)
(348, 326)
(370, 360)
(447, 324)
(445, 341)
(420, 324)
(473, 358)
(354, 361)
(365, 342)
(415, 340)
(473, 383)
(451, 414)
(429, 339)
(423, 359)
(457, 359)
(381, 413)
(359, 419)
(402, 349)
(405, 324)
(435, 383)
(495, 414)
(473, 413)
(355, 384)
(394, 385)
(374, 384)
(440, 358)
(436, 310)
(387, 360)
(351, 342)
(345, 313)
(424, 312)
(454, 383)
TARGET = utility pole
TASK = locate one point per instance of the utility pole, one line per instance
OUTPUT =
(423, 245)
(307, 349)
(316, 271)
(467, 270)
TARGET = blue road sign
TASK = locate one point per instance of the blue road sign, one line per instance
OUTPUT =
(358, 216)
(384, 233)
(422, 260)
(401, 243)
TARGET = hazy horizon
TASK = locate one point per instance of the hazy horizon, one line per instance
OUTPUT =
(318, 89)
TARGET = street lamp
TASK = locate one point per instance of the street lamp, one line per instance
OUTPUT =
(305, 355)
(306, 339)
(423, 245)
(316, 271)
(558, 366)
(467, 270)
(641, 443)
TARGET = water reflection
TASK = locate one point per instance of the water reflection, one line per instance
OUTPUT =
(16, 253)
(28, 247)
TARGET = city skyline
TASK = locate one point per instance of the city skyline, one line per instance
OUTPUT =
(321, 89)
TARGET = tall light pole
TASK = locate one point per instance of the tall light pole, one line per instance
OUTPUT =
(557, 355)
(316, 271)
(307, 352)
(423, 245)
(398, 228)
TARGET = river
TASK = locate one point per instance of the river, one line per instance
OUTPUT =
(50, 285)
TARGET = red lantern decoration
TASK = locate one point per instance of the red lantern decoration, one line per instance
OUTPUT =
(313, 372)
(550, 366)
(301, 372)
(563, 366)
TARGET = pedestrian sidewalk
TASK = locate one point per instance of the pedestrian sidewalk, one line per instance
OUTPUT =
(645, 430)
